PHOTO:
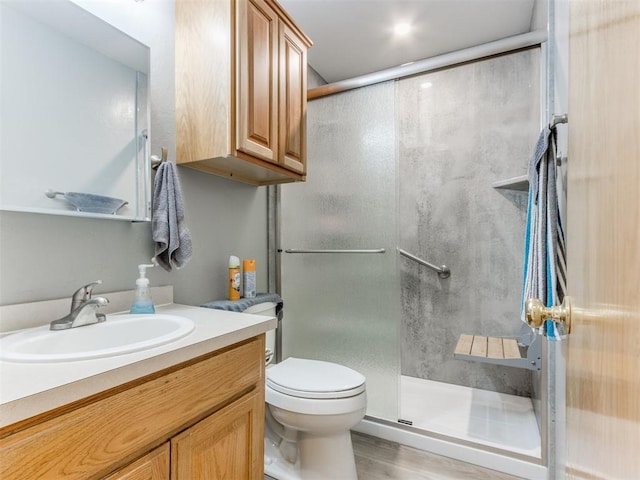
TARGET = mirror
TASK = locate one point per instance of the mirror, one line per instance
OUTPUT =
(74, 120)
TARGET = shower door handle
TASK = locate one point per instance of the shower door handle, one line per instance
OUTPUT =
(536, 313)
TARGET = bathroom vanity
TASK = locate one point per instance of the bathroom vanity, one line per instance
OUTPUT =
(193, 408)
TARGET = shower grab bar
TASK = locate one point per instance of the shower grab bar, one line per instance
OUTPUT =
(294, 250)
(442, 271)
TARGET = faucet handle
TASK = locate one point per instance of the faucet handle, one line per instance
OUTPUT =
(83, 294)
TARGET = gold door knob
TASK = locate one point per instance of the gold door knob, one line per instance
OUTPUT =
(537, 313)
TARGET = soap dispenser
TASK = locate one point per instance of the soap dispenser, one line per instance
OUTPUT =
(142, 302)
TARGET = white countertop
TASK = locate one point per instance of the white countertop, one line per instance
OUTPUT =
(28, 389)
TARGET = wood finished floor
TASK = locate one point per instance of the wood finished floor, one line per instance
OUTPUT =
(378, 459)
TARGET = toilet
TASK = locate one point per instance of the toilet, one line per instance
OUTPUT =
(311, 406)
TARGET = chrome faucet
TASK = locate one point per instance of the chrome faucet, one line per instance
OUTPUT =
(83, 294)
(83, 309)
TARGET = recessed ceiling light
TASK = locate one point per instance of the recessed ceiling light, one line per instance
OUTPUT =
(426, 85)
(402, 29)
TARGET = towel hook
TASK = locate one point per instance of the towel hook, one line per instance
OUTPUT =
(557, 119)
(156, 161)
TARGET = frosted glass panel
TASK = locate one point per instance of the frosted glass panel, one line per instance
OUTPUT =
(345, 307)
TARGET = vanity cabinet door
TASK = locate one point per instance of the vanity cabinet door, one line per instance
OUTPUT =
(229, 444)
(153, 466)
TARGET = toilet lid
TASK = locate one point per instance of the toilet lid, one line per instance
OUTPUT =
(304, 378)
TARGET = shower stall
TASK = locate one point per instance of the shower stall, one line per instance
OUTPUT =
(412, 165)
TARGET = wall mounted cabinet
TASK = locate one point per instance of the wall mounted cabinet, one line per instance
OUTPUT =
(241, 90)
(75, 113)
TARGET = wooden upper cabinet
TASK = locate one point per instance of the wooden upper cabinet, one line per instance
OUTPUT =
(257, 76)
(293, 100)
(241, 90)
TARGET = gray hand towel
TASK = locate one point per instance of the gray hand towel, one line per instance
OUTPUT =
(172, 237)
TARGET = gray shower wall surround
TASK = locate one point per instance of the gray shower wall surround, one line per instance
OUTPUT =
(459, 130)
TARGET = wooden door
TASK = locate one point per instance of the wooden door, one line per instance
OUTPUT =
(603, 359)
(257, 80)
(293, 100)
(153, 466)
(226, 445)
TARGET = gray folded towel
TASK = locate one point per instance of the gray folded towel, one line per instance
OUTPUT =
(244, 303)
(172, 237)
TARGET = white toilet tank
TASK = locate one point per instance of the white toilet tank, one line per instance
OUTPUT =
(267, 309)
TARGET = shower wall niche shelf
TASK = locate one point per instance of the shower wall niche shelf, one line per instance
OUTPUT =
(520, 183)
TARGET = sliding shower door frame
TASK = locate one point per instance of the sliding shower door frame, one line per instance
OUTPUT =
(545, 379)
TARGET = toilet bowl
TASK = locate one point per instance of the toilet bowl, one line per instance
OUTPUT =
(311, 406)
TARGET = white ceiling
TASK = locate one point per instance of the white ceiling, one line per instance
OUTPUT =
(355, 37)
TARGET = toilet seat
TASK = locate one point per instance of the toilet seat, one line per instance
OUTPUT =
(315, 406)
(314, 379)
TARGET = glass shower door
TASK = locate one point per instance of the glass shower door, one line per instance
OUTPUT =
(344, 306)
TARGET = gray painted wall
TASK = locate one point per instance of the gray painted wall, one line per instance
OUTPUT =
(314, 79)
(539, 15)
(474, 125)
(44, 257)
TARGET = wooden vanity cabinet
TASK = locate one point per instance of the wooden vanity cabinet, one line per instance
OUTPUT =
(221, 446)
(241, 90)
(152, 466)
(200, 419)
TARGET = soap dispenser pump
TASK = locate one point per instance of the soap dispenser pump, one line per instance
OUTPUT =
(142, 302)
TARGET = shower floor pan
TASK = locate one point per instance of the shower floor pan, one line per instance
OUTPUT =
(488, 418)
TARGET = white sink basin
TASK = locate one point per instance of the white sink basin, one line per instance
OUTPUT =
(118, 335)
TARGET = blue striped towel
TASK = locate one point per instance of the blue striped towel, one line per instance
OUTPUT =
(544, 258)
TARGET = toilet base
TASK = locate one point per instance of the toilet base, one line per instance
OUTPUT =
(326, 457)
(319, 458)
(275, 466)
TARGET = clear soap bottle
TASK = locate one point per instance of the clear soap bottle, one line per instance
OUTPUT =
(142, 302)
